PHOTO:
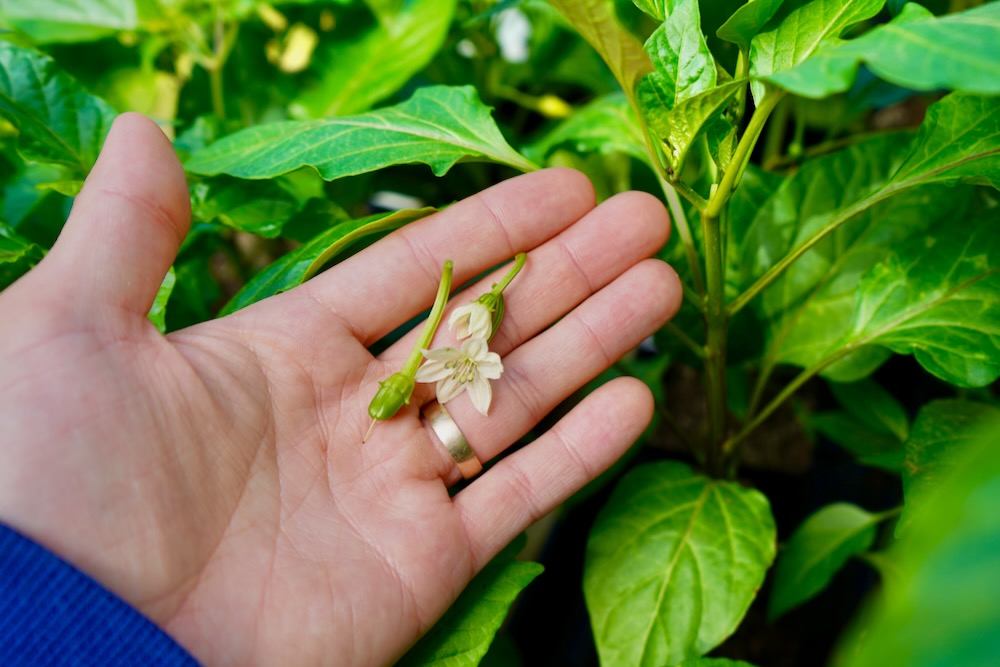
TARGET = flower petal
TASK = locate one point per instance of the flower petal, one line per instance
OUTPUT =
(446, 353)
(490, 370)
(448, 388)
(481, 394)
(432, 371)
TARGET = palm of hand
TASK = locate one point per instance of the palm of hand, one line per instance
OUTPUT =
(215, 478)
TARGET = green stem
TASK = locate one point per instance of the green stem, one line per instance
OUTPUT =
(681, 222)
(716, 324)
(433, 320)
(519, 260)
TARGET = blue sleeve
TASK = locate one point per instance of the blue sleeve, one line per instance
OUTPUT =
(53, 614)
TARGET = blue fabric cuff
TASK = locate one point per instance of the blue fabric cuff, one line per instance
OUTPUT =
(53, 614)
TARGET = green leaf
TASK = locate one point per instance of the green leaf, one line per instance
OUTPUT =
(597, 23)
(653, 8)
(801, 33)
(372, 64)
(942, 608)
(300, 264)
(915, 50)
(683, 65)
(438, 126)
(673, 562)
(747, 21)
(607, 125)
(679, 127)
(249, 206)
(463, 635)
(58, 121)
(17, 255)
(868, 446)
(874, 407)
(817, 550)
(942, 432)
(714, 662)
(959, 140)
(70, 20)
(158, 312)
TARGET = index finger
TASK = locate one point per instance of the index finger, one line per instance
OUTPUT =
(394, 280)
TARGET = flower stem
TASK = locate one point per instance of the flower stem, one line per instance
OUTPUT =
(499, 287)
(433, 320)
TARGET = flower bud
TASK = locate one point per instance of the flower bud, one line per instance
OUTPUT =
(393, 393)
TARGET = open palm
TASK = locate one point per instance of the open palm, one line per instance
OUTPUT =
(215, 478)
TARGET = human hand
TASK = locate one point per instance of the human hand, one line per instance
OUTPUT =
(215, 477)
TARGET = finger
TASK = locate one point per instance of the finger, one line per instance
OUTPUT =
(564, 271)
(544, 371)
(396, 279)
(528, 484)
(128, 221)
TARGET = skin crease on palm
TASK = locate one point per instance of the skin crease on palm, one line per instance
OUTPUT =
(215, 478)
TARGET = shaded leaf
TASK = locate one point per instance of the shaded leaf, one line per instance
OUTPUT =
(370, 65)
(597, 23)
(673, 562)
(867, 445)
(58, 121)
(463, 635)
(942, 432)
(17, 255)
(873, 406)
(249, 206)
(679, 127)
(747, 21)
(158, 311)
(816, 551)
(438, 126)
(801, 33)
(714, 662)
(942, 608)
(915, 50)
(607, 125)
(300, 264)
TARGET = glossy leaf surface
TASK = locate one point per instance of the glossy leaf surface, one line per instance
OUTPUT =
(801, 33)
(59, 122)
(673, 562)
(300, 264)
(816, 551)
(747, 21)
(915, 50)
(438, 126)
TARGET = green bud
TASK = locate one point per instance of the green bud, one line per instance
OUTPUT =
(393, 393)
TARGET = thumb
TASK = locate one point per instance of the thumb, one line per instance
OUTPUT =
(126, 224)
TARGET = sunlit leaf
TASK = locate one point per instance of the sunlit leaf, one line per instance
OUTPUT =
(70, 20)
(597, 23)
(942, 607)
(158, 312)
(463, 635)
(673, 562)
(747, 21)
(59, 122)
(683, 65)
(295, 267)
(652, 7)
(606, 125)
(368, 66)
(816, 551)
(679, 127)
(915, 50)
(942, 431)
(17, 255)
(801, 33)
(438, 126)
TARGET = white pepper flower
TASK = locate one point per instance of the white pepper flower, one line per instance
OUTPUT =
(468, 368)
(473, 320)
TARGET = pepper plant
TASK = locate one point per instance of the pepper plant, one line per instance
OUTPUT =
(830, 167)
